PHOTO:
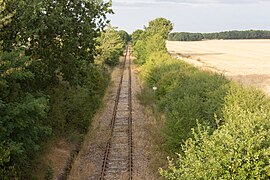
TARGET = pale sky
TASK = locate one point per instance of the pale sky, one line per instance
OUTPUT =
(193, 15)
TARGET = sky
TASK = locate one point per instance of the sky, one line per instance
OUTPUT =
(193, 15)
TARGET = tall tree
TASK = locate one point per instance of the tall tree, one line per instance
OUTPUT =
(21, 112)
(110, 46)
(124, 36)
(45, 43)
(152, 39)
(135, 36)
(159, 26)
(60, 35)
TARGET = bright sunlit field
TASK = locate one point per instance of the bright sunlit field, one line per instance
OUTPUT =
(247, 61)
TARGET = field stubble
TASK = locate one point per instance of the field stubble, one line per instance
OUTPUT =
(244, 61)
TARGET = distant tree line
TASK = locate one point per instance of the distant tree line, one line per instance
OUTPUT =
(185, 36)
(249, 34)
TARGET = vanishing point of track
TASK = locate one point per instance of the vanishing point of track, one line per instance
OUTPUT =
(117, 162)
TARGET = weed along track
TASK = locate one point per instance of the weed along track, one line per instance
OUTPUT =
(117, 162)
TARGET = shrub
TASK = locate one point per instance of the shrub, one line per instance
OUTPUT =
(184, 94)
(238, 149)
(73, 107)
(219, 129)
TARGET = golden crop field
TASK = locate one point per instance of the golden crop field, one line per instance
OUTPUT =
(246, 61)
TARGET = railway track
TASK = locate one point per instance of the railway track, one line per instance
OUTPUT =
(117, 161)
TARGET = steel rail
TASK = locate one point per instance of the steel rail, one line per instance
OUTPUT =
(106, 160)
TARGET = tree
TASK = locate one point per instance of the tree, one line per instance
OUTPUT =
(159, 26)
(124, 36)
(110, 46)
(21, 112)
(250, 34)
(60, 34)
(135, 36)
(152, 39)
(5, 18)
(47, 44)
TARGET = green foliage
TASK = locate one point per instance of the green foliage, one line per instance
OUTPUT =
(139, 51)
(238, 149)
(21, 113)
(159, 26)
(60, 34)
(135, 36)
(231, 141)
(73, 107)
(49, 173)
(184, 94)
(48, 80)
(5, 18)
(152, 39)
(125, 37)
(144, 49)
(219, 129)
(185, 36)
(110, 47)
(7, 171)
(249, 34)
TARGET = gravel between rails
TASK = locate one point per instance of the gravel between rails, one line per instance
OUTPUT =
(88, 164)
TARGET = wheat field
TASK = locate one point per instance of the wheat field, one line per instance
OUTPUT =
(245, 61)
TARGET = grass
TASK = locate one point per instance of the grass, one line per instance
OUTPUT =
(155, 121)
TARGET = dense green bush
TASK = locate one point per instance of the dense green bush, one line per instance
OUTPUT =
(72, 108)
(220, 130)
(231, 139)
(238, 149)
(184, 94)
(22, 112)
(49, 80)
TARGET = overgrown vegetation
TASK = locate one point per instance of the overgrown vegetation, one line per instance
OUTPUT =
(184, 94)
(152, 39)
(249, 34)
(50, 82)
(217, 128)
(238, 149)
(125, 37)
(111, 45)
